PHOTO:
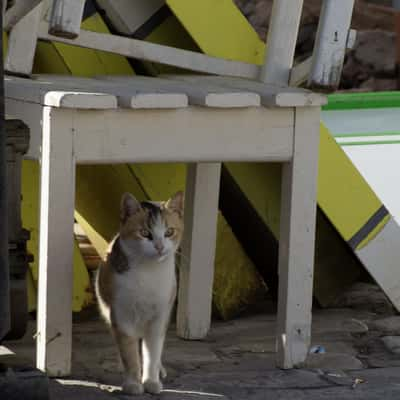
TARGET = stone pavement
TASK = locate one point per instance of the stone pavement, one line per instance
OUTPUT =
(237, 361)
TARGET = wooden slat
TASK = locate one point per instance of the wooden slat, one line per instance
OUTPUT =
(201, 95)
(33, 91)
(156, 53)
(281, 41)
(198, 246)
(129, 96)
(271, 95)
(188, 135)
(22, 43)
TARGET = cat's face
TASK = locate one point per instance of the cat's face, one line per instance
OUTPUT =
(149, 229)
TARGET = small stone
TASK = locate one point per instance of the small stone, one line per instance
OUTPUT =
(332, 361)
(392, 343)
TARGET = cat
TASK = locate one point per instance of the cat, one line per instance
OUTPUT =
(136, 287)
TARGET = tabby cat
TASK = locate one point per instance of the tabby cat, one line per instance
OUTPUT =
(136, 287)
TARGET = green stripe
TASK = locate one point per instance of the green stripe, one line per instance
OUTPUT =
(364, 143)
(354, 101)
(359, 134)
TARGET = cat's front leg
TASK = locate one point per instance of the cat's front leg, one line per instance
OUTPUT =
(128, 347)
(153, 343)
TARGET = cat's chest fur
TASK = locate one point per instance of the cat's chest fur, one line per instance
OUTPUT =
(144, 292)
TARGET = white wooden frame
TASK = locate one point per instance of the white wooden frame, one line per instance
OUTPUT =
(74, 127)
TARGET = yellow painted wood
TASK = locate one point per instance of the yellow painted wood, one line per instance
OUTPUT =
(30, 218)
(343, 194)
(87, 62)
(219, 29)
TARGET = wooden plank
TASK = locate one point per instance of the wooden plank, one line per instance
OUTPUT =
(296, 245)
(330, 44)
(44, 93)
(188, 135)
(271, 95)
(128, 96)
(18, 11)
(198, 246)
(57, 196)
(66, 18)
(156, 53)
(21, 45)
(281, 41)
(201, 95)
(380, 257)
(128, 16)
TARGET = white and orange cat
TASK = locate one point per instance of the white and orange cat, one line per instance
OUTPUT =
(136, 287)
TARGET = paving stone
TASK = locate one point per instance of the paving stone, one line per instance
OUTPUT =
(388, 326)
(392, 343)
(333, 361)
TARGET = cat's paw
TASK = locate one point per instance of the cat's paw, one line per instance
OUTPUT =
(132, 387)
(153, 387)
(163, 372)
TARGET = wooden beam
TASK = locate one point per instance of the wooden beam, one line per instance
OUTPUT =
(156, 53)
(330, 44)
(281, 41)
(22, 43)
(18, 11)
(66, 18)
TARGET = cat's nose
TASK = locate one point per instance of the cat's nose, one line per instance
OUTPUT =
(159, 247)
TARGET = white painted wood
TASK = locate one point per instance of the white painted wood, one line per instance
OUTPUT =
(281, 41)
(128, 95)
(66, 18)
(57, 196)
(296, 244)
(45, 93)
(18, 11)
(188, 135)
(196, 276)
(154, 52)
(330, 44)
(199, 94)
(127, 16)
(271, 95)
(386, 246)
(22, 43)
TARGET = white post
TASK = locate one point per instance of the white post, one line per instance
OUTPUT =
(281, 41)
(22, 43)
(66, 18)
(296, 242)
(330, 44)
(57, 198)
(196, 273)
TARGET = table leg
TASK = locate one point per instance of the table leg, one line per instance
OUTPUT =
(198, 249)
(296, 245)
(57, 196)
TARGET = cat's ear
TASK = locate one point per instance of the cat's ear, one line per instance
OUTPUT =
(176, 203)
(129, 206)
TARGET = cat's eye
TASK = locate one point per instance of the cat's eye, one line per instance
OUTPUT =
(169, 232)
(145, 233)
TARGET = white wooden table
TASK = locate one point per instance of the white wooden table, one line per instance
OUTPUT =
(198, 120)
